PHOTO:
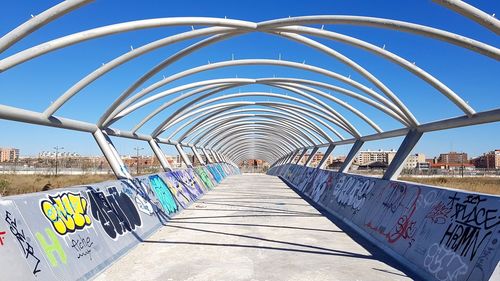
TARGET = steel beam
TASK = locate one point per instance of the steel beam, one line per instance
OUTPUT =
(160, 155)
(350, 157)
(402, 154)
(328, 151)
(311, 156)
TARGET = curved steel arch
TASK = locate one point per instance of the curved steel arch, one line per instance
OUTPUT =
(234, 122)
(279, 116)
(230, 105)
(241, 138)
(257, 130)
(219, 88)
(128, 103)
(223, 111)
(160, 128)
(279, 112)
(294, 138)
(222, 118)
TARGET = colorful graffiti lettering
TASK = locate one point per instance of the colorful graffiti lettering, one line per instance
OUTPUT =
(395, 220)
(352, 191)
(2, 233)
(163, 194)
(439, 213)
(54, 247)
(444, 264)
(204, 177)
(471, 225)
(66, 211)
(116, 212)
(28, 250)
(189, 182)
(82, 246)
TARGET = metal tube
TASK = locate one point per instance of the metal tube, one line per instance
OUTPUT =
(160, 155)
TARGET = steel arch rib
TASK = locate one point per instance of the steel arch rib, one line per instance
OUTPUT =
(304, 122)
(218, 112)
(294, 116)
(278, 150)
(244, 137)
(268, 81)
(245, 131)
(217, 135)
(294, 138)
(241, 103)
(128, 103)
(236, 121)
(261, 144)
(185, 108)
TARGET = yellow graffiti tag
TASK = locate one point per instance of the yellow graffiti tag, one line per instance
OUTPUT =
(67, 212)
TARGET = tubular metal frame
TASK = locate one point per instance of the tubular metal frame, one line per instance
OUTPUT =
(270, 130)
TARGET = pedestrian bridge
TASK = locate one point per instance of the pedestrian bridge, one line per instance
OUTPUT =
(210, 222)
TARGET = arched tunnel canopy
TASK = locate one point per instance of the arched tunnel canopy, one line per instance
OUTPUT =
(221, 115)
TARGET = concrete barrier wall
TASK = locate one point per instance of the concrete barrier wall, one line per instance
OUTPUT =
(74, 233)
(441, 234)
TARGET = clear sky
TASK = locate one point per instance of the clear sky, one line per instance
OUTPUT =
(34, 84)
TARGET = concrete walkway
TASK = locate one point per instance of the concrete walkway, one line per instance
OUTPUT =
(252, 227)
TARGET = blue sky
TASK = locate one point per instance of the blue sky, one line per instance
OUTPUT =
(34, 84)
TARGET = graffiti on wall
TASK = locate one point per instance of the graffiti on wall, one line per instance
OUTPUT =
(66, 211)
(189, 182)
(471, 224)
(321, 183)
(24, 242)
(394, 219)
(204, 177)
(163, 194)
(2, 233)
(116, 212)
(82, 246)
(180, 187)
(444, 264)
(350, 191)
(140, 195)
(52, 247)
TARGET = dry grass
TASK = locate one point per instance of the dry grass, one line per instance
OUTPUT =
(490, 185)
(19, 184)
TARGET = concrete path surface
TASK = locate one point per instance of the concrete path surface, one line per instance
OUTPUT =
(252, 227)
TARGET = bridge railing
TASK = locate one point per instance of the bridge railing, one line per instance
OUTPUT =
(440, 234)
(74, 233)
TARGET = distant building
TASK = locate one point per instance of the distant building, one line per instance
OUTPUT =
(490, 160)
(413, 160)
(453, 166)
(315, 160)
(9, 154)
(366, 157)
(453, 158)
(61, 154)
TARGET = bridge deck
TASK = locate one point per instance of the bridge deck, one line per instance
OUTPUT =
(252, 227)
